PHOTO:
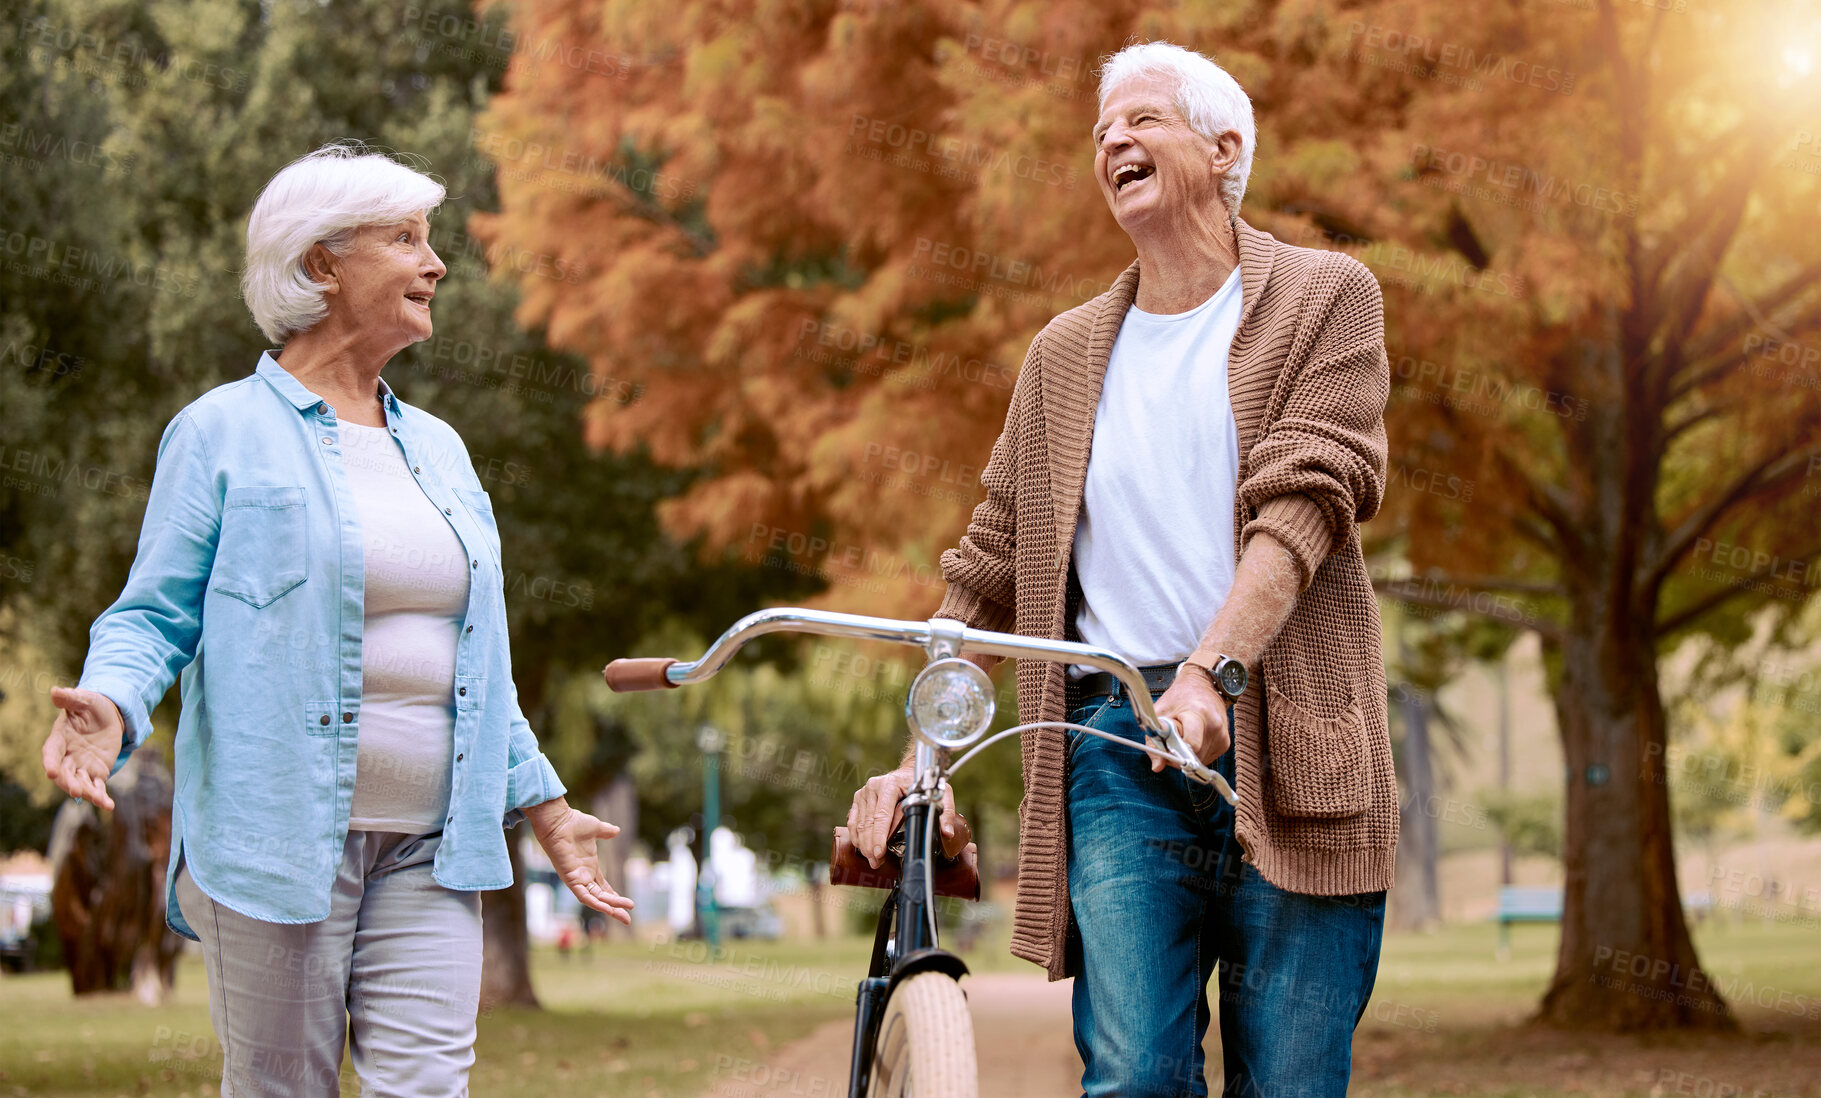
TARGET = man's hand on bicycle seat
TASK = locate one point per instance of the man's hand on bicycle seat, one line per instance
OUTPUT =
(1201, 714)
(874, 817)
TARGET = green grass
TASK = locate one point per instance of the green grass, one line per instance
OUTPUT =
(628, 1020)
(639, 1020)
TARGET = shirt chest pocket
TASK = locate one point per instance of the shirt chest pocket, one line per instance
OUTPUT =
(262, 552)
(481, 507)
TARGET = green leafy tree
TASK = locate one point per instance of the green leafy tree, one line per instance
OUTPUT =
(142, 134)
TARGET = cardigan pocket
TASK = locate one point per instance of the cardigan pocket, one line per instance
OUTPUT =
(1318, 764)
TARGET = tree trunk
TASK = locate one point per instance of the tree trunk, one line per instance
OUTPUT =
(505, 945)
(1416, 902)
(108, 885)
(1626, 961)
(618, 804)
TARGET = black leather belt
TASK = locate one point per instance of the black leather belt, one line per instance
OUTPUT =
(1101, 684)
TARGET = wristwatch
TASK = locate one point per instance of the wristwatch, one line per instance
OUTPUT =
(1227, 674)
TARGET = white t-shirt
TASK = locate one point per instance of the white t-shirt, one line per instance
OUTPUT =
(416, 598)
(1154, 542)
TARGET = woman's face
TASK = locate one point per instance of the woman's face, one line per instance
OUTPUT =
(385, 282)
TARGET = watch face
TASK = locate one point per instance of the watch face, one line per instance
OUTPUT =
(1232, 676)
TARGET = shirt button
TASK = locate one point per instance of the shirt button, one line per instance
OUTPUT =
(447, 511)
(474, 564)
(347, 718)
(463, 691)
(458, 758)
(327, 441)
(417, 468)
(471, 629)
(322, 409)
(324, 719)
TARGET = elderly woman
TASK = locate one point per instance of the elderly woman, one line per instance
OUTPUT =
(321, 564)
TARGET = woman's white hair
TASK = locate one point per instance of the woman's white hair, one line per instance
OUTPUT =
(323, 198)
(1207, 96)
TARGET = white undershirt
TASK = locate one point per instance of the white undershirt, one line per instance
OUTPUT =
(416, 598)
(1154, 541)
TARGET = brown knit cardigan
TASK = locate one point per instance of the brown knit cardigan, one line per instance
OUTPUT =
(1308, 379)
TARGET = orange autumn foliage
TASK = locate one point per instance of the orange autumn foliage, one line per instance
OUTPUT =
(820, 236)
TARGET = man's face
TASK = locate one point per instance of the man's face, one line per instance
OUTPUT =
(1151, 166)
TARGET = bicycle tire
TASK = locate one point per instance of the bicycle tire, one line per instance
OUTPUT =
(925, 1047)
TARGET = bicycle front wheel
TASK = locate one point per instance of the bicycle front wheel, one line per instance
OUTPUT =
(926, 1042)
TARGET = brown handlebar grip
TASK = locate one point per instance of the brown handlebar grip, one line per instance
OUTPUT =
(626, 676)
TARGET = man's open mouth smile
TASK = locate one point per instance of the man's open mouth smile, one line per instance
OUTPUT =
(1127, 174)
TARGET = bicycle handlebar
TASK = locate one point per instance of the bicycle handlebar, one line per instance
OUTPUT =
(938, 635)
(626, 676)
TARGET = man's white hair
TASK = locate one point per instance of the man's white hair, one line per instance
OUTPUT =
(323, 198)
(1206, 95)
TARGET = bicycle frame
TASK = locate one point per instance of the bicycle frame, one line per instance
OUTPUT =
(907, 940)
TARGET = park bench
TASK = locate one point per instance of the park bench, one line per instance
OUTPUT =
(1525, 905)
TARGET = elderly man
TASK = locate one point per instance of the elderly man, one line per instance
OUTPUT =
(1181, 478)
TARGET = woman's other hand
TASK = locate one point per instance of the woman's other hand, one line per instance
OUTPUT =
(79, 753)
(568, 837)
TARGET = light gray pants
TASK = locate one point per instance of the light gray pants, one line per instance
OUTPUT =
(394, 971)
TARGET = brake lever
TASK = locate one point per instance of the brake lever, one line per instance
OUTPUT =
(1178, 747)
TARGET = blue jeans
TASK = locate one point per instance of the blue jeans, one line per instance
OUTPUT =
(1160, 898)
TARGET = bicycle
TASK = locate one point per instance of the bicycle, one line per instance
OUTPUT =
(912, 1030)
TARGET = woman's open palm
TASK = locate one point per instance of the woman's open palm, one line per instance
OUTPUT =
(79, 753)
(569, 844)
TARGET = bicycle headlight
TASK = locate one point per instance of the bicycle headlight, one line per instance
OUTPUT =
(950, 703)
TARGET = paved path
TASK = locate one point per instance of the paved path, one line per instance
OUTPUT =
(1021, 1037)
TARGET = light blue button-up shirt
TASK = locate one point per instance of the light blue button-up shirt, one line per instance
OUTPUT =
(249, 580)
